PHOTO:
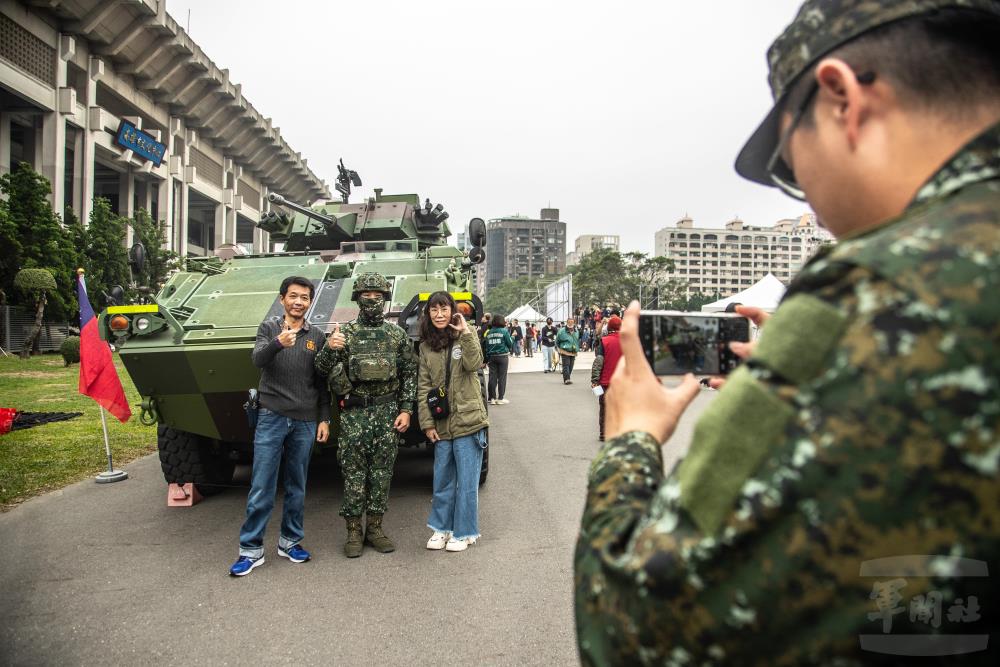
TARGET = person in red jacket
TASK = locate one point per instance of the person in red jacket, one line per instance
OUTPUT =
(608, 354)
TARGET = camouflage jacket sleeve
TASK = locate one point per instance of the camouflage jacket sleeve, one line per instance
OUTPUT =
(863, 428)
(331, 365)
(595, 370)
(406, 367)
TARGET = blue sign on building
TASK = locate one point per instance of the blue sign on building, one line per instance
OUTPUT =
(143, 145)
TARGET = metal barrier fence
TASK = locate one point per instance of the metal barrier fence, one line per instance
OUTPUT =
(16, 323)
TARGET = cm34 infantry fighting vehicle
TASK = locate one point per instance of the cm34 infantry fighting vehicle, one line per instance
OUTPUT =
(188, 352)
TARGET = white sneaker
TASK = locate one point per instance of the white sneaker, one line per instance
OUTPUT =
(459, 545)
(437, 541)
(493, 401)
(502, 401)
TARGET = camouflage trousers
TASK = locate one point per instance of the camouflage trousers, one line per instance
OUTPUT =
(366, 452)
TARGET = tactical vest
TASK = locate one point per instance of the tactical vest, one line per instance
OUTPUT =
(373, 355)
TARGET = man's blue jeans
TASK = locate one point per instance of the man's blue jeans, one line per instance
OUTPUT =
(547, 358)
(455, 505)
(277, 435)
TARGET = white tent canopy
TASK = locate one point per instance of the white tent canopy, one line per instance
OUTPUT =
(765, 294)
(524, 314)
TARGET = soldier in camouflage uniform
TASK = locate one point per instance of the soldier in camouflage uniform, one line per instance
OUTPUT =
(848, 472)
(372, 371)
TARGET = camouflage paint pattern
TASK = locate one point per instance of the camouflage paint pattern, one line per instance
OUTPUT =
(887, 443)
(367, 452)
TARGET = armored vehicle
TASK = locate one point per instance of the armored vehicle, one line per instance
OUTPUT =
(188, 351)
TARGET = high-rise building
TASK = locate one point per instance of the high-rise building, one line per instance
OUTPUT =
(730, 259)
(518, 246)
(587, 243)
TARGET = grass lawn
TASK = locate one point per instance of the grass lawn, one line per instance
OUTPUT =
(50, 456)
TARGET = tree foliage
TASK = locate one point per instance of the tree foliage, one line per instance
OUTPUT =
(608, 276)
(36, 284)
(510, 294)
(106, 260)
(32, 236)
(32, 281)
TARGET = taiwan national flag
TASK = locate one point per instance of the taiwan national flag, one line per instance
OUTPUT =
(98, 377)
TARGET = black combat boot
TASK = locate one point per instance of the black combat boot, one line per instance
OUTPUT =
(353, 545)
(375, 537)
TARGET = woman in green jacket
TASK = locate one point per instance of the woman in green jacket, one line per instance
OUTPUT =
(460, 438)
(499, 345)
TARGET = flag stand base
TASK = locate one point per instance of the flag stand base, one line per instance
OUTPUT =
(109, 476)
(183, 495)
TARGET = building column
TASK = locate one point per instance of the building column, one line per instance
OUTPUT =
(4, 142)
(182, 209)
(88, 146)
(220, 226)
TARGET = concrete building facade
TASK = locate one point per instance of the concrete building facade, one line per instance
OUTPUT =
(729, 259)
(586, 244)
(91, 90)
(518, 246)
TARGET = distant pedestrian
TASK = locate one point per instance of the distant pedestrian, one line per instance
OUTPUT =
(604, 366)
(530, 339)
(568, 344)
(449, 346)
(499, 345)
(548, 340)
(518, 336)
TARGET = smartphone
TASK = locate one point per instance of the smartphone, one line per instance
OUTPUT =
(676, 343)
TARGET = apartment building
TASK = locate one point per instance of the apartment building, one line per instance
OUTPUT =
(587, 243)
(727, 260)
(519, 246)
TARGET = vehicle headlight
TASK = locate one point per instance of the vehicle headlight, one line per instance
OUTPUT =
(142, 324)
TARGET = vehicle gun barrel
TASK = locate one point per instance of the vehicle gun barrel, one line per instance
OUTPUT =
(327, 220)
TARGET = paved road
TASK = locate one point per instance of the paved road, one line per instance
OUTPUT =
(108, 574)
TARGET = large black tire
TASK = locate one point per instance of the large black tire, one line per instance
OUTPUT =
(185, 457)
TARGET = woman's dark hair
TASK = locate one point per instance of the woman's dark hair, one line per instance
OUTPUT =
(430, 335)
(297, 280)
(498, 321)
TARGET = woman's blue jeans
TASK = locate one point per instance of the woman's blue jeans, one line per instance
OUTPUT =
(277, 435)
(455, 506)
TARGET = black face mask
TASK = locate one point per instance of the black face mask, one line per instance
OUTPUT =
(371, 309)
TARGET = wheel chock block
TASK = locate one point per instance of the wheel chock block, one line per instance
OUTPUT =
(182, 495)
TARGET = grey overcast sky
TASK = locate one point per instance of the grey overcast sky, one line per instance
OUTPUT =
(624, 115)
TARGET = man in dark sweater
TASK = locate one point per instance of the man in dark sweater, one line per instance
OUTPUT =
(293, 398)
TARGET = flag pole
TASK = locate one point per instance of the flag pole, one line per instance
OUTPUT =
(109, 475)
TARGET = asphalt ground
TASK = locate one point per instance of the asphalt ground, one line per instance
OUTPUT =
(108, 574)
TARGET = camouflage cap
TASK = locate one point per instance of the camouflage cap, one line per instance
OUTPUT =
(371, 282)
(820, 27)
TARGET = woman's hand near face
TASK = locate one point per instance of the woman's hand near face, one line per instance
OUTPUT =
(458, 323)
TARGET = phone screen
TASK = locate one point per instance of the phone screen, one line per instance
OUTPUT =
(677, 343)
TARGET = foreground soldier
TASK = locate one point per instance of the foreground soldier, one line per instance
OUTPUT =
(373, 371)
(865, 423)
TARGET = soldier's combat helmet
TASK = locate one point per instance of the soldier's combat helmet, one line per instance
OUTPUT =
(820, 27)
(371, 282)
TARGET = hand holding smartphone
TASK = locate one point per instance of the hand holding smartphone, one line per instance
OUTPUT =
(676, 343)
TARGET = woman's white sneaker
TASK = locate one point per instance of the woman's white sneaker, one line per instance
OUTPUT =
(437, 541)
(459, 545)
